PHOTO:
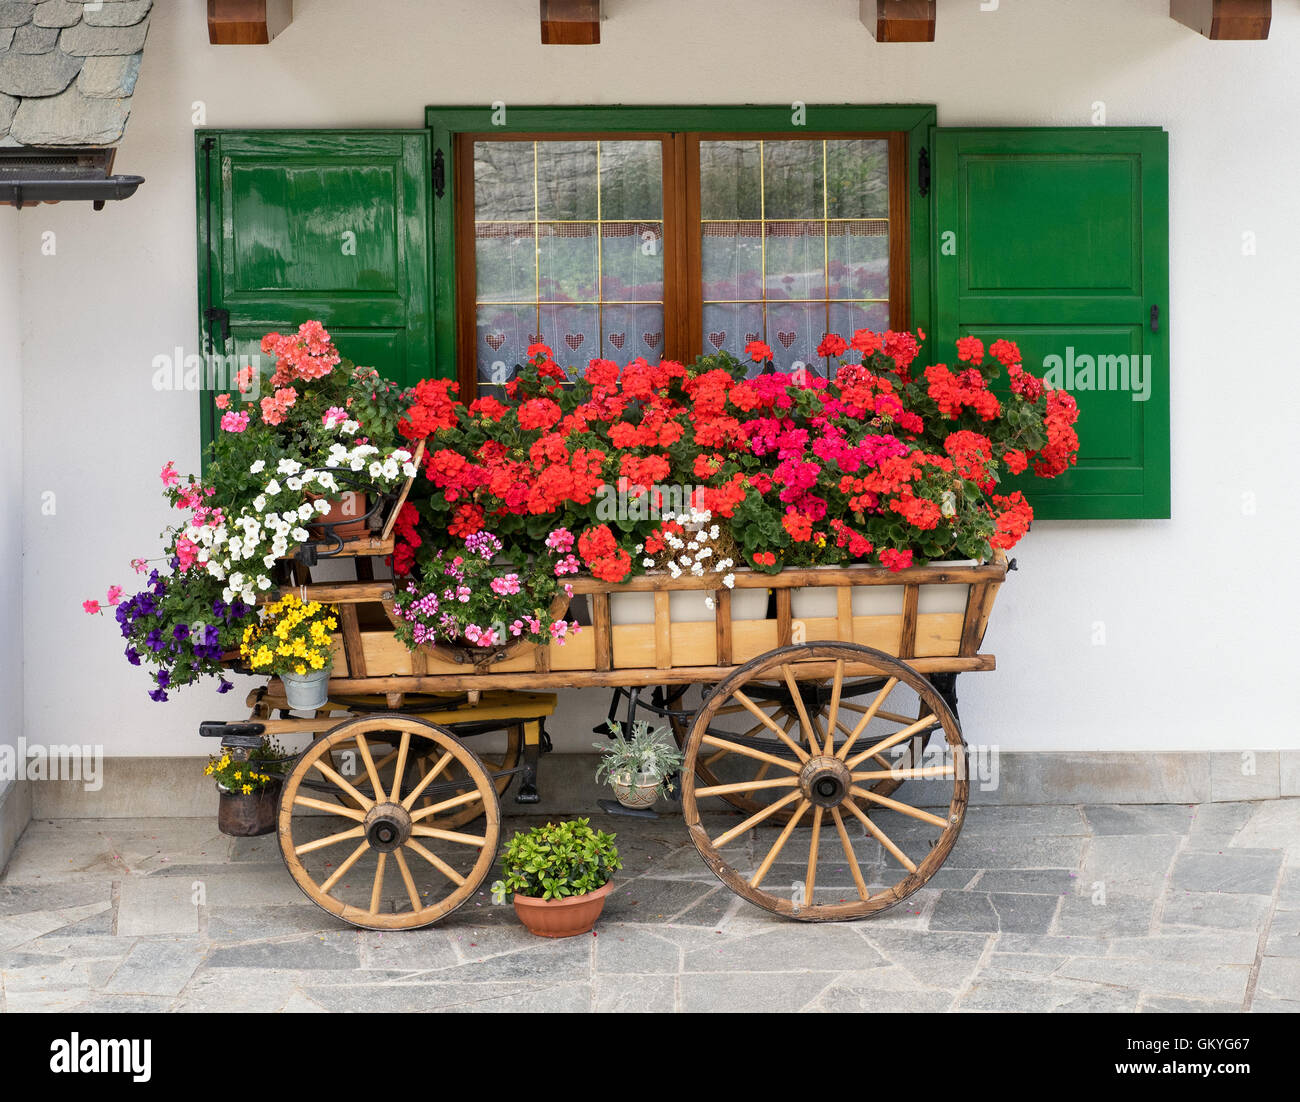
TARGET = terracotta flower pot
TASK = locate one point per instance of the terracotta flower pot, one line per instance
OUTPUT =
(343, 516)
(248, 816)
(575, 914)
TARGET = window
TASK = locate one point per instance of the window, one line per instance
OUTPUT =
(690, 231)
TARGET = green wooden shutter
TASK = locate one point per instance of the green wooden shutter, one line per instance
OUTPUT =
(325, 224)
(1058, 239)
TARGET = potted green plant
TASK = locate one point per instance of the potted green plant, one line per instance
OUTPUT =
(559, 875)
(640, 767)
(249, 789)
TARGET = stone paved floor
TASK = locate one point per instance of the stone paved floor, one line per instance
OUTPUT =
(1201, 912)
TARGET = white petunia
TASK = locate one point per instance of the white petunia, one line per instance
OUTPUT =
(259, 502)
(273, 487)
(258, 467)
(729, 581)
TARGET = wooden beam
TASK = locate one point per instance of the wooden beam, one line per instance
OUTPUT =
(899, 20)
(570, 22)
(247, 22)
(1225, 20)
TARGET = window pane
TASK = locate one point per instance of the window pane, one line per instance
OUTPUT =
(568, 261)
(729, 180)
(794, 242)
(793, 184)
(632, 261)
(568, 239)
(857, 179)
(631, 181)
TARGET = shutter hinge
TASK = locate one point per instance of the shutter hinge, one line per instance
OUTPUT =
(1155, 319)
(439, 174)
(221, 318)
(923, 172)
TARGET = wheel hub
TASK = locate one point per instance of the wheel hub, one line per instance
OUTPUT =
(825, 781)
(387, 826)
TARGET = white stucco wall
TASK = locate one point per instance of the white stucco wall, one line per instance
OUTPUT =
(12, 496)
(1199, 613)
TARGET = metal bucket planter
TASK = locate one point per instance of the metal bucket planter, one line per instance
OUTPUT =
(247, 816)
(306, 692)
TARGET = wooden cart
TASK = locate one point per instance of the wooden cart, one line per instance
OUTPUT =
(798, 730)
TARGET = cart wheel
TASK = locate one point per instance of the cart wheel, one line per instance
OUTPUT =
(831, 772)
(717, 767)
(339, 840)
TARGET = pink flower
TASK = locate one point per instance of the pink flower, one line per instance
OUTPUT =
(114, 594)
(234, 422)
(168, 474)
(139, 565)
(335, 415)
(244, 379)
(187, 552)
(222, 401)
(505, 585)
(90, 606)
(560, 540)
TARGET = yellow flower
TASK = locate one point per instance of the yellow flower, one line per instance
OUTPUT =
(248, 790)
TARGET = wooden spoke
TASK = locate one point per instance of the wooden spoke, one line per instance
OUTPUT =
(727, 744)
(447, 835)
(799, 751)
(745, 786)
(834, 708)
(734, 709)
(810, 881)
(328, 885)
(804, 721)
(895, 805)
(408, 880)
(849, 855)
(376, 892)
(425, 781)
(901, 735)
(893, 717)
(446, 805)
(321, 843)
(762, 772)
(753, 821)
(908, 774)
(365, 801)
(750, 752)
(778, 845)
(364, 748)
(881, 837)
(867, 717)
(333, 809)
(436, 861)
(402, 750)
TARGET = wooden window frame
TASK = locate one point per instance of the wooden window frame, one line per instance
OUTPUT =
(908, 128)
